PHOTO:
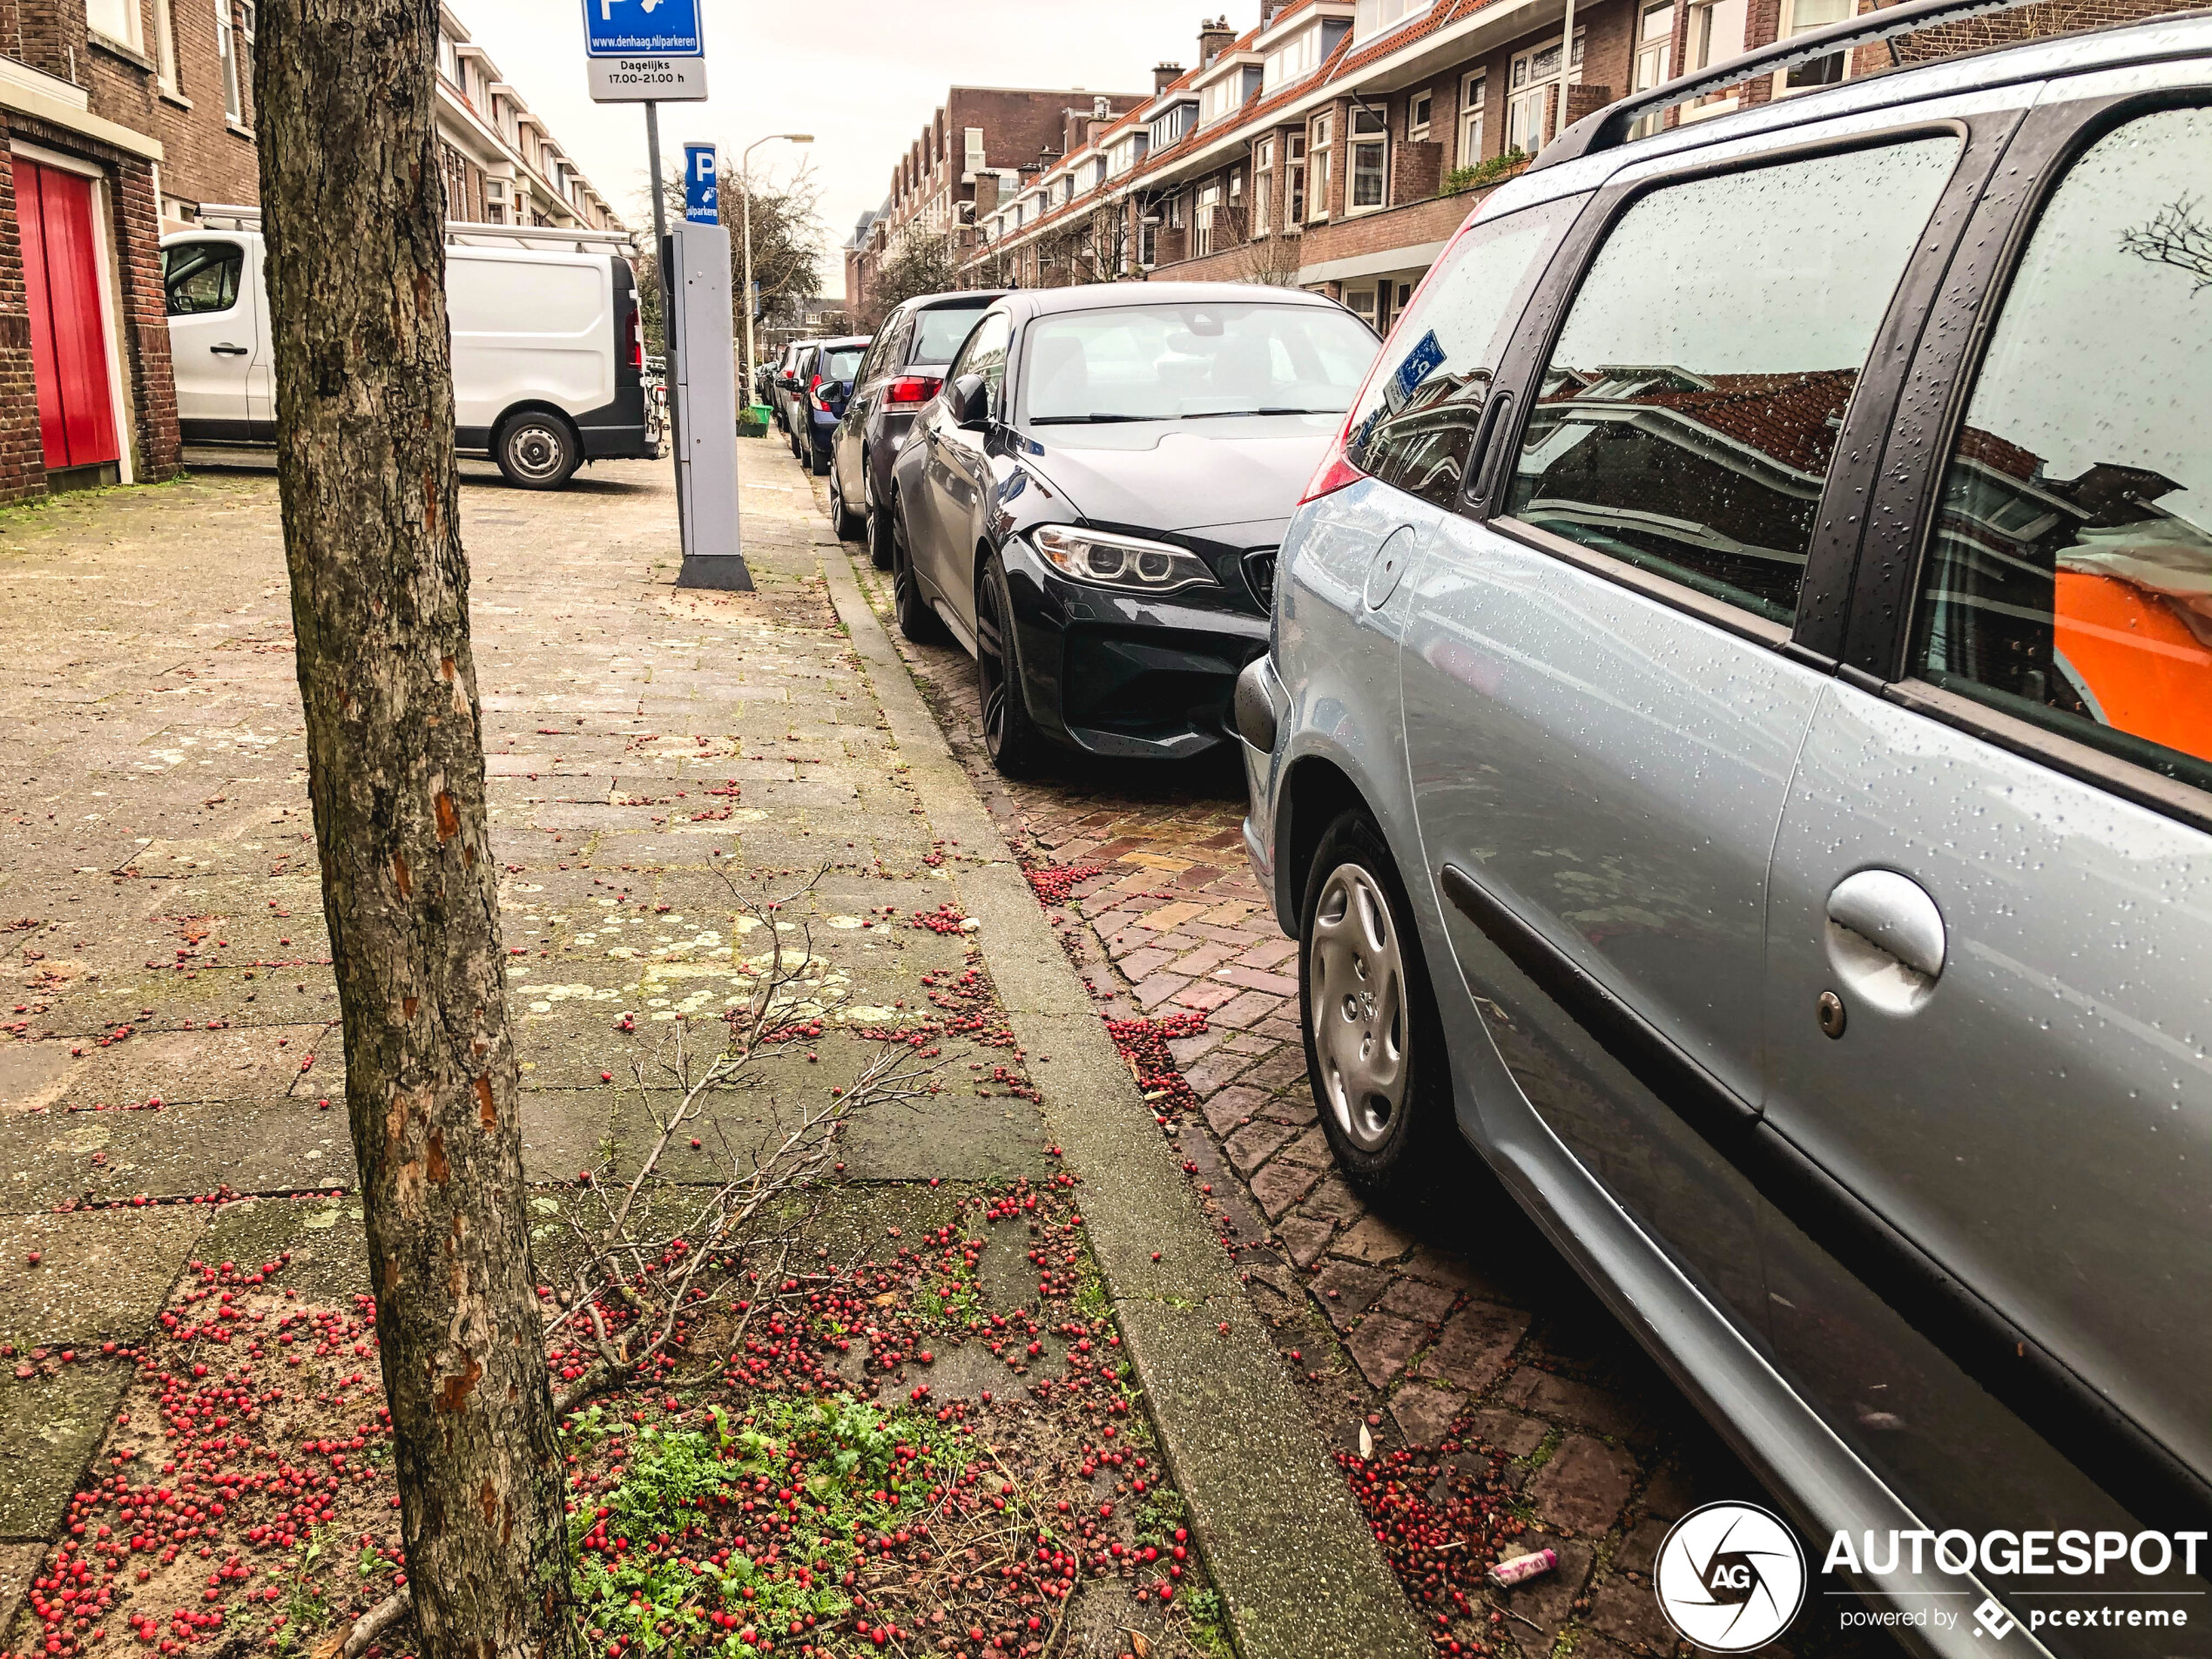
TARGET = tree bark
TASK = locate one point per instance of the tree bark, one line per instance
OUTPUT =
(353, 214)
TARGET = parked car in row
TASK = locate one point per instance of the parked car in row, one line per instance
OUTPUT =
(782, 383)
(822, 381)
(1737, 748)
(903, 370)
(1092, 504)
(547, 352)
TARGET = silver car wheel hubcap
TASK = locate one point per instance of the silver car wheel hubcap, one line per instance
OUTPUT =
(536, 452)
(1358, 997)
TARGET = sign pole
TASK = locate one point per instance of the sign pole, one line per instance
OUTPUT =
(663, 250)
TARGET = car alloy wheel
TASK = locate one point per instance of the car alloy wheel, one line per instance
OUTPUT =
(848, 524)
(881, 554)
(1358, 1007)
(1016, 746)
(916, 620)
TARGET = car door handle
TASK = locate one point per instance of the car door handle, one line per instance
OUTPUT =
(229, 350)
(1886, 939)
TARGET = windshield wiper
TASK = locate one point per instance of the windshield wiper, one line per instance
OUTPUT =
(1088, 420)
(1215, 415)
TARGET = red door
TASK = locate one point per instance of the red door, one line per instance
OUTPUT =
(68, 344)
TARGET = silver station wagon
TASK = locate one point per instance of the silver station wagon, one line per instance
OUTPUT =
(1737, 748)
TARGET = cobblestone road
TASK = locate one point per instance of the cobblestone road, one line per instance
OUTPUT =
(1454, 1336)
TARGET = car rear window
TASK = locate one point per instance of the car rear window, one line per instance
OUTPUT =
(940, 332)
(1690, 412)
(1418, 417)
(2069, 574)
(840, 365)
(1170, 362)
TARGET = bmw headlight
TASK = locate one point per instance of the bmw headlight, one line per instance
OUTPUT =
(1120, 561)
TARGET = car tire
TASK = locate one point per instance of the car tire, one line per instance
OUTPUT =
(537, 451)
(916, 620)
(817, 456)
(1011, 738)
(849, 525)
(879, 528)
(1374, 1046)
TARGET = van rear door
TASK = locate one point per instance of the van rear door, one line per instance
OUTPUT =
(528, 328)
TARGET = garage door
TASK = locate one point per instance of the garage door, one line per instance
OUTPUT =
(68, 346)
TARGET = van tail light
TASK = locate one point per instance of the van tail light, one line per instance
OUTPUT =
(913, 388)
(1336, 470)
(634, 341)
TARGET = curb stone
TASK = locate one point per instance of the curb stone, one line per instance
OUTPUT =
(1297, 1569)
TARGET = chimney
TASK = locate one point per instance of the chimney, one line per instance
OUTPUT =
(1214, 38)
(1270, 10)
(1164, 75)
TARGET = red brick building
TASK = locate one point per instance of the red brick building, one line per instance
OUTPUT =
(120, 120)
(1339, 144)
(977, 147)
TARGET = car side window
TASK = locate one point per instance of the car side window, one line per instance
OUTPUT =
(2068, 579)
(985, 355)
(1417, 421)
(201, 278)
(1688, 416)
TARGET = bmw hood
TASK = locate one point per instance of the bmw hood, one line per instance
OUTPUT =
(1237, 472)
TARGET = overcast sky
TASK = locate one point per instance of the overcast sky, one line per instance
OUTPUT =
(862, 75)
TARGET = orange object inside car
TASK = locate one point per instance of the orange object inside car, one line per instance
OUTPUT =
(2146, 666)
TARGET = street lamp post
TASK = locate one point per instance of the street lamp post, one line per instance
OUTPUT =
(744, 170)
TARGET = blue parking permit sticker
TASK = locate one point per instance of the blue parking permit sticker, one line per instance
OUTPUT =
(1423, 360)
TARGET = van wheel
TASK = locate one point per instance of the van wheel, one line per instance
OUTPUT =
(1374, 1047)
(537, 452)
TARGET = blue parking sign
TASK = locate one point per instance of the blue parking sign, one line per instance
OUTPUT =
(702, 198)
(641, 28)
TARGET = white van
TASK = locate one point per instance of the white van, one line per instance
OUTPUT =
(547, 347)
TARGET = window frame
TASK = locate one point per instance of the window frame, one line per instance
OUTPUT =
(1320, 145)
(1937, 387)
(1473, 111)
(1421, 114)
(133, 36)
(1815, 634)
(1354, 142)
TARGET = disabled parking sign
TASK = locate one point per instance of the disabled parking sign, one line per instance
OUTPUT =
(645, 50)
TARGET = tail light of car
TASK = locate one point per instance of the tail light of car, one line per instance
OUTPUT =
(814, 391)
(913, 388)
(1336, 470)
(634, 341)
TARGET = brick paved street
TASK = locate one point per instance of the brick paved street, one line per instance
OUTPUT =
(1455, 1336)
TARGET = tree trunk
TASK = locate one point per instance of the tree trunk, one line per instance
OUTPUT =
(353, 213)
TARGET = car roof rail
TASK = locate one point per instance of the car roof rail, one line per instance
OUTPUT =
(1608, 128)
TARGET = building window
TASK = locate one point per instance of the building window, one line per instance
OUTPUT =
(1202, 224)
(1360, 302)
(226, 50)
(1801, 15)
(1262, 183)
(1419, 110)
(1716, 36)
(1297, 56)
(1369, 159)
(1148, 243)
(1318, 164)
(1471, 119)
(1654, 61)
(1294, 181)
(1535, 95)
(115, 20)
(1175, 211)
(164, 47)
(1372, 17)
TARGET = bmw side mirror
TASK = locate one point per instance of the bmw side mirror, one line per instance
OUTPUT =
(968, 400)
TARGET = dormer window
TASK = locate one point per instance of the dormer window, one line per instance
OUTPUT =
(1298, 56)
(1372, 17)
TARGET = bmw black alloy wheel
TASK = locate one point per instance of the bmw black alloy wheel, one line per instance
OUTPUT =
(1016, 747)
